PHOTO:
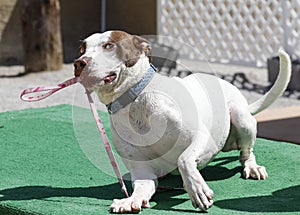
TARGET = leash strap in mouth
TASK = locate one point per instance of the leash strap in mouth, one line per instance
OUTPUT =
(52, 89)
(48, 90)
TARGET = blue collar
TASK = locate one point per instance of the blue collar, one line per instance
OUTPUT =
(132, 93)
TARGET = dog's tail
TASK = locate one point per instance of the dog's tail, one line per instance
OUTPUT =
(278, 88)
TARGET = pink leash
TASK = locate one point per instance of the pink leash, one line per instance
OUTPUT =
(53, 89)
(50, 89)
(106, 143)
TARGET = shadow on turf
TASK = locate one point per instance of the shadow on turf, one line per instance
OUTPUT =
(165, 200)
(215, 171)
(210, 173)
(282, 200)
(106, 192)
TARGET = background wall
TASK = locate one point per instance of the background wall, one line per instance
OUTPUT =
(133, 16)
(11, 49)
(79, 19)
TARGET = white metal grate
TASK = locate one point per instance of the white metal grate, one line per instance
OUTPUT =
(231, 31)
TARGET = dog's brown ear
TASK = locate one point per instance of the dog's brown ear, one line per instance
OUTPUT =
(144, 45)
(130, 47)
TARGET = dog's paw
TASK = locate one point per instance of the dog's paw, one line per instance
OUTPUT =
(128, 205)
(201, 197)
(255, 171)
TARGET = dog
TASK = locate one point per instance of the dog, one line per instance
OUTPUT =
(160, 123)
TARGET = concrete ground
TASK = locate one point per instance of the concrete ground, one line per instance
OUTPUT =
(252, 82)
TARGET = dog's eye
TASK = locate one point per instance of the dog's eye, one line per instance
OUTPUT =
(82, 48)
(108, 46)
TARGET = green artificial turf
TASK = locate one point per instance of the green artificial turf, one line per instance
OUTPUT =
(48, 167)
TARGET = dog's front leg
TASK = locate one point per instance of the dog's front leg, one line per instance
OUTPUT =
(142, 192)
(200, 152)
(143, 189)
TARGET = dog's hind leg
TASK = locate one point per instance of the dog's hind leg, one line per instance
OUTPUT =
(246, 129)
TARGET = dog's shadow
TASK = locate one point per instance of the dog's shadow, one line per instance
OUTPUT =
(108, 192)
(111, 191)
(167, 200)
(283, 200)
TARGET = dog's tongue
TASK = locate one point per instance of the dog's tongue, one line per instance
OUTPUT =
(110, 78)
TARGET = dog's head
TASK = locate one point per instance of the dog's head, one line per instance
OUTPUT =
(103, 58)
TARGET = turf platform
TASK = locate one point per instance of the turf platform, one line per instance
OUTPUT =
(44, 170)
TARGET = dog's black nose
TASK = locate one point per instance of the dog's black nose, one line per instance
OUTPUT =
(79, 65)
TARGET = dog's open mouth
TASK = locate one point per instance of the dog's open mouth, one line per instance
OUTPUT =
(110, 78)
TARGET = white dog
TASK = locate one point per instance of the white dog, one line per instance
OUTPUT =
(161, 123)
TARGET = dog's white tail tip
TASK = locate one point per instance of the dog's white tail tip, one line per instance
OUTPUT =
(279, 86)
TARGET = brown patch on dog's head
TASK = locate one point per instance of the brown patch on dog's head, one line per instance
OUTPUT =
(130, 47)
